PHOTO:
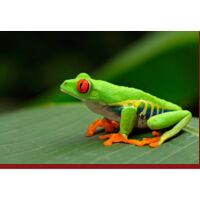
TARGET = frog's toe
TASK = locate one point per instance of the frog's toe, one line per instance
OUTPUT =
(139, 143)
(89, 133)
(154, 144)
(113, 138)
(106, 136)
(92, 127)
(155, 133)
(109, 125)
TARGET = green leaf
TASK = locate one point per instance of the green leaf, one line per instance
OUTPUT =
(56, 134)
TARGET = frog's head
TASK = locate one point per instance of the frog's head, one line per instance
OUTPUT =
(80, 87)
(84, 88)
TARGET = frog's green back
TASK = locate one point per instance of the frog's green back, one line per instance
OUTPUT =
(111, 94)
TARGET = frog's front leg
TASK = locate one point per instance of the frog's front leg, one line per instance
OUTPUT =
(127, 121)
(165, 120)
(107, 124)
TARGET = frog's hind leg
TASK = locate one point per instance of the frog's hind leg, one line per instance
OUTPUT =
(107, 124)
(178, 118)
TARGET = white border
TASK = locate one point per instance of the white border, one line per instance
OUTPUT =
(99, 184)
(99, 15)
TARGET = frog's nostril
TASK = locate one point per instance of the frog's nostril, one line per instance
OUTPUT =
(64, 84)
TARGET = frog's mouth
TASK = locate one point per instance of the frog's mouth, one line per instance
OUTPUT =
(69, 93)
(64, 91)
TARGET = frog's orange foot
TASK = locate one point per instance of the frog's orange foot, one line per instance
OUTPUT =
(152, 142)
(107, 124)
(155, 133)
(118, 137)
(113, 138)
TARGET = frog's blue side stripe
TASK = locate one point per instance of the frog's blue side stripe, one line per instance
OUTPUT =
(148, 111)
(140, 108)
(154, 110)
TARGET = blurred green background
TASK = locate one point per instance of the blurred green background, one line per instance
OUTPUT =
(33, 64)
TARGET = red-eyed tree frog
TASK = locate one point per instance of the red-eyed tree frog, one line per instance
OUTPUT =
(124, 108)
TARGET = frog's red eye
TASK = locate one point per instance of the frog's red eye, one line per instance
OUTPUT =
(82, 86)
